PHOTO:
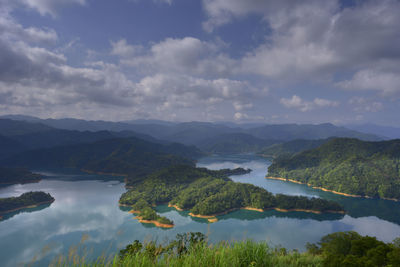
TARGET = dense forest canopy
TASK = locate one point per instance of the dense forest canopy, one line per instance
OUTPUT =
(206, 192)
(23, 201)
(346, 165)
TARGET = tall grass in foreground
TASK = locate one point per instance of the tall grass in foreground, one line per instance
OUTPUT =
(244, 253)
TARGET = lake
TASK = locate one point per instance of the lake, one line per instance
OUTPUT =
(86, 215)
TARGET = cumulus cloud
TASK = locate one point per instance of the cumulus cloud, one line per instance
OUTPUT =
(302, 105)
(312, 39)
(388, 83)
(50, 7)
(183, 55)
(39, 79)
(123, 49)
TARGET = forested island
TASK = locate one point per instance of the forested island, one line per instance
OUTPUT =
(26, 200)
(346, 166)
(17, 176)
(206, 193)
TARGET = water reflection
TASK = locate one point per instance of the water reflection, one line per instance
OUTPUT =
(355, 207)
(86, 206)
(9, 215)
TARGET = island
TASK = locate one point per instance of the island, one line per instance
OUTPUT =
(18, 176)
(24, 201)
(345, 166)
(207, 194)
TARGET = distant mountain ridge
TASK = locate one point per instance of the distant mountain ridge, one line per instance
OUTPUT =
(204, 134)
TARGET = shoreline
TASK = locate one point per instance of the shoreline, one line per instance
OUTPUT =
(315, 187)
(104, 173)
(212, 217)
(176, 207)
(156, 223)
(28, 207)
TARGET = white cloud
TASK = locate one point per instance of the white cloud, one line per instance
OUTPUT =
(302, 105)
(186, 55)
(388, 83)
(123, 49)
(50, 7)
(314, 39)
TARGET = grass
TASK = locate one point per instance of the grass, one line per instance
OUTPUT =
(243, 253)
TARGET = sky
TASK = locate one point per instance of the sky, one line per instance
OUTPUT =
(265, 61)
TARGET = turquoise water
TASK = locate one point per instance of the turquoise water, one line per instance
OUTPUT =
(87, 205)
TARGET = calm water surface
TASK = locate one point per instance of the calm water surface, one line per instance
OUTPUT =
(86, 209)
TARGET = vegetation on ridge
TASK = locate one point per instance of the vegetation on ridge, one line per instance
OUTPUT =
(348, 166)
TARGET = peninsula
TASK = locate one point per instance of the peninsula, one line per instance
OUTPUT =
(206, 194)
(24, 201)
(345, 166)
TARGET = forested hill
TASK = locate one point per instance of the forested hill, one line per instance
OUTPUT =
(131, 156)
(17, 175)
(290, 148)
(348, 166)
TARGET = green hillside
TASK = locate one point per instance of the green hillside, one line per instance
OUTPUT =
(130, 156)
(290, 148)
(348, 166)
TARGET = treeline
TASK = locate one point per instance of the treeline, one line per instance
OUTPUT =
(206, 192)
(23, 201)
(352, 249)
(17, 175)
(347, 165)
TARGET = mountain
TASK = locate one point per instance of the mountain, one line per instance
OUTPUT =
(10, 146)
(13, 127)
(130, 156)
(234, 143)
(347, 166)
(386, 132)
(290, 148)
(18, 136)
(307, 131)
(197, 133)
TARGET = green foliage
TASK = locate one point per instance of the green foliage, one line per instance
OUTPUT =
(24, 200)
(17, 175)
(191, 249)
(351, 249)
(347, 165)
(131, 156)
(209, 192)
(289, 148)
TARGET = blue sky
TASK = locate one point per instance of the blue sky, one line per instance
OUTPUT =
(274, 61)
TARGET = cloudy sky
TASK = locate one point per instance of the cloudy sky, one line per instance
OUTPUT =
(272, 61)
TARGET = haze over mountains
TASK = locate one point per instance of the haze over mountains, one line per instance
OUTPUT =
(192, 132)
